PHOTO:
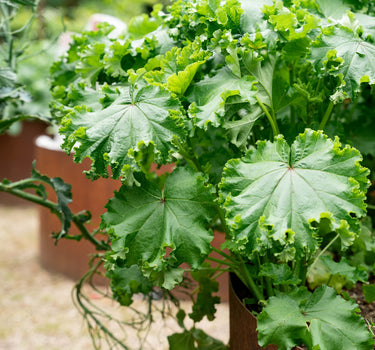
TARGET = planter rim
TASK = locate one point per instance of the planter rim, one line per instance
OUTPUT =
(50, 143)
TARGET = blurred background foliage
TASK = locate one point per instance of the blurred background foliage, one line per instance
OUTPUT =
(31, 36)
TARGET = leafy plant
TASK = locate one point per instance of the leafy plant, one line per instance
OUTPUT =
(248, 100)
(14, 43)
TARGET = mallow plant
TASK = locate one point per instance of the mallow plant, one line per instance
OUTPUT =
(259, 106)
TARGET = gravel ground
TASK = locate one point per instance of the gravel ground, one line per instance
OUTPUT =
(37, 312)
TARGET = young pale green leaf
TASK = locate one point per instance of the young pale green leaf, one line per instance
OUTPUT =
(127, 281)
(177, 68)
(143, 221)
(326, 321)
(138, 115)
(342, 53)
(252, 14)
(142, 25)
(276, 191)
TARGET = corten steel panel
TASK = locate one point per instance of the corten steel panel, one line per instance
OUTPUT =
(16, 156)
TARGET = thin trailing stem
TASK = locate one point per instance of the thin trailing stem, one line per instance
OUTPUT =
(88, 236)
(90, 315)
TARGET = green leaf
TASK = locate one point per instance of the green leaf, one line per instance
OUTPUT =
(175, 217)
(342, 268)
(280, 274)
(252, 14)
(138, 115)
(281, 322)
(315, 175)
(179, 66)
(194, 339)
(64, 197)
(332, 8)
(205, 342)
(293, 26)
(181, 341)
(205, 302)
(91, 63)
(342, 53)
(325, 321)
(142, 25)
(36, 182)
(127, 281)
(168, 278)
(208, 96)
(369, 292)
(334, 323)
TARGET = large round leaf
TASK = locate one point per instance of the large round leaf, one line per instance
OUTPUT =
(144, 221)
(276, 192)
(135, 115)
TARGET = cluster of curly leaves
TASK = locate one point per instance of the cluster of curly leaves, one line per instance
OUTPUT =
(231, 92)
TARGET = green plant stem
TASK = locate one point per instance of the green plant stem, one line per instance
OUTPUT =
(292, 109)
(53, 208)
(88, 236)
(220, 273)
(329, 279)
(220, 252)
(249, 282)
(269, 287)
(299, 268)
(272, 120)
(323, 251)
(29, 197)
(370, 206)
(223, 262)
(214, 269)
(327, 115)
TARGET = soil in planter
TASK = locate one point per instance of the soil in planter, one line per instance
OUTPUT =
(367, 309)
